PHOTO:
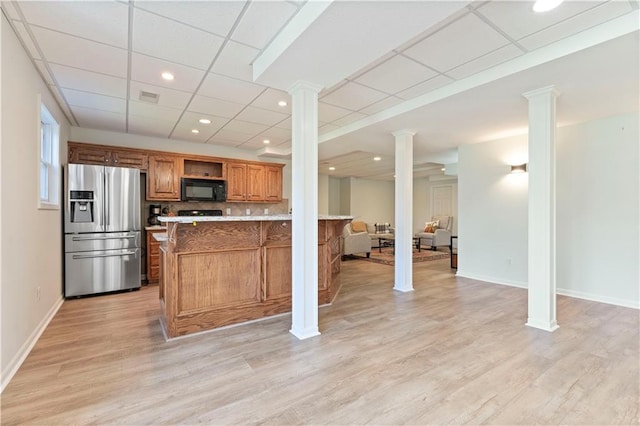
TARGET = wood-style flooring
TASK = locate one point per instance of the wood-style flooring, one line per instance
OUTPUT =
(454, 351)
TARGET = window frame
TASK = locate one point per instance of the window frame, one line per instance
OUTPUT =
(48, 159)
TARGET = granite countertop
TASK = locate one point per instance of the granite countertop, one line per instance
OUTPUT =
(155, 228)
(159, 236)
(190, 219)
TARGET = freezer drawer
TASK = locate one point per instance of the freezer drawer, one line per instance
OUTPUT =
(101, 241)
(101, 271)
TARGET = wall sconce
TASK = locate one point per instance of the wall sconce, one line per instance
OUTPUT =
(519, 168)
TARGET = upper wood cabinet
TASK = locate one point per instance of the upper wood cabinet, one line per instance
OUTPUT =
(107, 156)
(163, 178)
(273, 183)
(236, 182)
(254, 182)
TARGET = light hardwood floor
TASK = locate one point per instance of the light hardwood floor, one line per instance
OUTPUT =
(454, 351)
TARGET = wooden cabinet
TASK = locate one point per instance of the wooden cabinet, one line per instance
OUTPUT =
(107, 156)
(163, 178)
(236, 182)
(273, 183)
(254, 182)
(153, 256)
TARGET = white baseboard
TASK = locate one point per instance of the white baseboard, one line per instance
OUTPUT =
(28, 345)
(563, 292)
(492, 280)
(599, 298)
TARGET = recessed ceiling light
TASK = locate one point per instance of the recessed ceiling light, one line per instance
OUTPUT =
(282, 103)
(204, 121)
(545, 5)
(167, 76)
(332, 168)
(442, 169)
(266, 141)
(377, 158)
(195, 131)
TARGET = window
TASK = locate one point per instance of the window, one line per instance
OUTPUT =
(49, 160)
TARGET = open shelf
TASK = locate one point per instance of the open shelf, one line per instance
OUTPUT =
(203, 169)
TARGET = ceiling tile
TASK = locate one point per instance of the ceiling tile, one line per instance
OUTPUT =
(261, 116)
(269, 100)
(102, 21)
(163, 38)
(87, 81)
(26, 39)
(10, 9)
(250, 129)
(353, 96)
(228, 135)
(235, 61)
(213, 16)
(354, 116)
(214, 106)
(328, 113)
(229, 89)
(517, 18)
(427, 86)
(43, 71)
(262, 21)
(465, 39)
(189, 121)
(217, 140)
(489, 60)
(92, 100)
(167, 97)
(64, 49)
(284, 124)
(148, 70)
(62, 104)
(252, 144)
(275, 136)
(381, 105)
(574, 25)
(149, 126)
(97, 119)
(156, 112)
(396, 74)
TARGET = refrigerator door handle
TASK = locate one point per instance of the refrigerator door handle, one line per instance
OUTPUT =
(91, 256)
(106, 198)
(128, 237)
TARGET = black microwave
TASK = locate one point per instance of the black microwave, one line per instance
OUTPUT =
(203, 190)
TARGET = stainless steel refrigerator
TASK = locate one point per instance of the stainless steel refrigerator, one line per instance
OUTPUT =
(102, 229)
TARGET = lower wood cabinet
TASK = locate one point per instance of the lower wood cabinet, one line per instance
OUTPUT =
(153, 257)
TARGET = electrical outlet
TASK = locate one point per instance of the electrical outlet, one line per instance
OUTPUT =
(38, 293)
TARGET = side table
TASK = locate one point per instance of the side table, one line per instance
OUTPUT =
(454, 251)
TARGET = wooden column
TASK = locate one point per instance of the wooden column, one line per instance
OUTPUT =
(542, 208)
(304, 204)
(404, 211)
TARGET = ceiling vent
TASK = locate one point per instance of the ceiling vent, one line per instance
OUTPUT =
(149, 97)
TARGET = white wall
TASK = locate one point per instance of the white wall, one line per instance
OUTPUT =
(323, 194)
(334, 196)
(597, 210)
(422, 201)
(597, 218)
(345, 196)
(372, 200)
(492, 210)
(30, 239)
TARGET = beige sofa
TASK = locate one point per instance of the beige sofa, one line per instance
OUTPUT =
(441, 235)
(355, 242)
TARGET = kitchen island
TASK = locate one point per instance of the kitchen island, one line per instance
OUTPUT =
(216, 271)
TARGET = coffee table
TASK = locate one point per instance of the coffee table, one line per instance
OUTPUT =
(391, 242)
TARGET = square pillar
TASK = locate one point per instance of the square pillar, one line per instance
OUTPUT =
(304, 204)
(403, 265)
(542, 209)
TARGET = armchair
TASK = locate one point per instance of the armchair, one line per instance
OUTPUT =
(355, 242)
(441, 235)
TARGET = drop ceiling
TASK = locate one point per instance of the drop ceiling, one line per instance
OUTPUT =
(98, 57)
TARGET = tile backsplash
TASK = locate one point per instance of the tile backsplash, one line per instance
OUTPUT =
(235, 209)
